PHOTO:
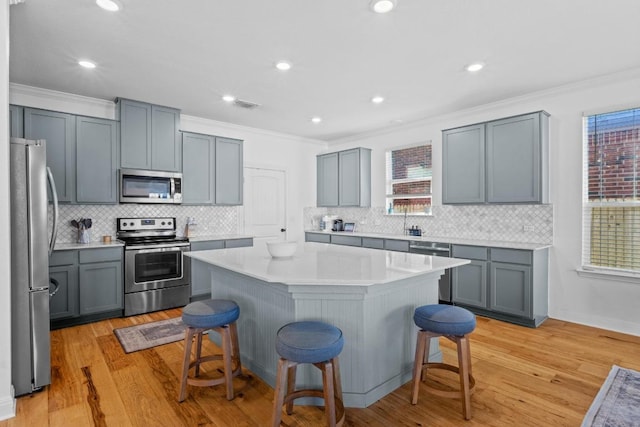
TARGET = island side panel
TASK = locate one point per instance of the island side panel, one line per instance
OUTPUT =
(264, 308)
(377, 323)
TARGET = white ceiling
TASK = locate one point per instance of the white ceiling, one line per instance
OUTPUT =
(187, 54)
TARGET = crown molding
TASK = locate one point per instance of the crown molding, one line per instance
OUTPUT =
(581, 85)
(186, 121)
(30, 96)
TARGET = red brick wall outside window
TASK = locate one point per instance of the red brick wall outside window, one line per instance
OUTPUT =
(612, 210)
(409, 180)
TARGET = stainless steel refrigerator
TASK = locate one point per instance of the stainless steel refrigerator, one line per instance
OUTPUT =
(31, 246)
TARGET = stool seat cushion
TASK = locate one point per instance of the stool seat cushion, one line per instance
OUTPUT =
(445, 319)
(210, 313)
(309, 342)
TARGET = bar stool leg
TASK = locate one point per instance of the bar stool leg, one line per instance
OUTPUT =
(291, 384)
(227, 360)
(278, 400)
(198, 352)
(235, 346)
(329, 397)
(188, 340)
(337, 383)
(464, 364)
(418, 364)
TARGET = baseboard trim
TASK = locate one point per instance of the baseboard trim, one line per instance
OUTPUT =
(7, 406)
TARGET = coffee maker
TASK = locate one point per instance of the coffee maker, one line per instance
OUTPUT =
(337, 225)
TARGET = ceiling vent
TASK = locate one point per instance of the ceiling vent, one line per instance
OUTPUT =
(246, 104)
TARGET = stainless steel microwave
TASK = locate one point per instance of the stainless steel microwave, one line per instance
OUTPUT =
(145, 186)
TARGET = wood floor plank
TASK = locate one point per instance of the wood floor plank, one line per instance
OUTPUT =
(524, 376)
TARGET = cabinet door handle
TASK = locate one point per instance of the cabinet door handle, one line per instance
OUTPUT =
(283, 230)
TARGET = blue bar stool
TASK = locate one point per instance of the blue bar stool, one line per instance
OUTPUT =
(309, 342)
(454, 323)
(201, 316)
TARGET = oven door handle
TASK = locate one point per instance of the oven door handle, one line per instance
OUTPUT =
(163, 249)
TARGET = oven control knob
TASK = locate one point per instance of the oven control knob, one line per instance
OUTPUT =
(131, 224)
(169, 223)
(162, 223)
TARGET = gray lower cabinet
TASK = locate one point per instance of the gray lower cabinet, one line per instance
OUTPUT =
(16, 117)
(89, 285)
(372, 243)
(501, 161)
(96, 160)
(63, 289)
(339, 239)
(200, 277)
(317, 237)
(59, 130)
(149, 136)
(508, 284)
(344, 178)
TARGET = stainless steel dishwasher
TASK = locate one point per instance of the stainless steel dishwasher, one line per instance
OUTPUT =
(436, 249)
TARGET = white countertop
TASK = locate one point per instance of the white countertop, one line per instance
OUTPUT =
(454, 241)
(62, 246)
(326, 264)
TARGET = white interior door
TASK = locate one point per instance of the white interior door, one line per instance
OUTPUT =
(264, 204)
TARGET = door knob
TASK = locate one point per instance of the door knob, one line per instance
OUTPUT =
(283, 230)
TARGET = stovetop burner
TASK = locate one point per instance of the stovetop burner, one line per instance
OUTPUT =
(148, 231)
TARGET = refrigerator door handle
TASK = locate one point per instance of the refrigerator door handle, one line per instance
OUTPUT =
(54, 195)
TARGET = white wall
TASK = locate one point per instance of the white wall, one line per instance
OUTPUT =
(7, 402)
(598, 302)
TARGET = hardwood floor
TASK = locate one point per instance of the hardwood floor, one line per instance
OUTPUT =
(526, 377)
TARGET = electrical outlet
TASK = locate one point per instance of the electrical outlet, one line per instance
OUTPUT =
(527, 227)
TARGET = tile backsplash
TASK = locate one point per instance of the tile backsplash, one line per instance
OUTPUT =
(508, 223)
(210, 220)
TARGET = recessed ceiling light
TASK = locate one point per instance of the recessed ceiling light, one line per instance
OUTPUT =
(377, 99)
(283, 65)
(476, 66)
(316, 119)
(110, 5)
(87, 64)
(228, 98)
(383, 6)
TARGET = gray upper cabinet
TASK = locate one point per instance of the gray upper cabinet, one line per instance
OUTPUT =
(16, 117)
(149, 136)
(501, 161)
(516, 147)
(97, 160)
(344, 178)
(198, 176)
(228, 171)
(327, 192)
(59, 130)
(166, 143)
(213, 170)
(463, 165)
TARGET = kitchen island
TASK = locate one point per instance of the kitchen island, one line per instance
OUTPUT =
(369, 294)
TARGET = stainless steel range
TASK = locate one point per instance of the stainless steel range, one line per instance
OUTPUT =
(156, 276)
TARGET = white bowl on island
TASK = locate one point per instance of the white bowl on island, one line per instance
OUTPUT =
(282, 249)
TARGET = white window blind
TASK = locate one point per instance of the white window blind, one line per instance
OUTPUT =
(611, 198)
(409, 180)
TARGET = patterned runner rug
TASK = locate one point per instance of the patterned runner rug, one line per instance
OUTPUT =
(147, 335)
(618, 401)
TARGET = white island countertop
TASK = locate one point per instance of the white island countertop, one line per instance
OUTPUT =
(326, 264)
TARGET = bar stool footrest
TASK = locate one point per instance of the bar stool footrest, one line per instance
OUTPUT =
(444, 393)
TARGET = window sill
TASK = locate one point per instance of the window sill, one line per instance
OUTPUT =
(618, 276)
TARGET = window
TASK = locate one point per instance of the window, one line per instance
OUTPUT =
(611, 207)
(409, 180)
